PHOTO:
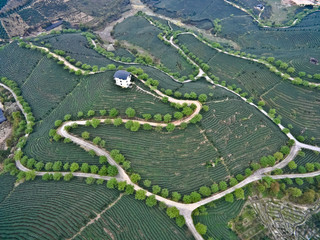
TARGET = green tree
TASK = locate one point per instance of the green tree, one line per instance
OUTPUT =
(103, 159)
(90, 180)
(167, 118)
(85, 168)
(74, 167)
(176, 196)
(58, 123)
(135, 177)
(278, 155)
(80, 114)
(67, 117)
(205, 191)
(170, 127)
(164, 192)
(151, 201)
(186, 199)
(172, 212)
(229, 198)
(95, 122)
(39, 166)
(129, 189)
(147, 126)
(140, 194)
(30, 175)
(248, 172)
(57, 166)
(180, 221)
(157, 117)
(113, 112)
(130, 112)
(112, 170)
(295, 192)
(31, 162)
(96, 140)
(310, 167)
(299, 181)
(214, 188)
(178, 115)
(94, 169)
(147, 183)
(292, 165)
(135, 126)
(156, 189)
(103, 112)
(57, 176)
(117, 122)
(146, 116)
(48, 166)
(223, 185)
(233, 182)
(122, 185)
(90, 113)
(201, 228)
(112, 183)
(202, 98)
(85, 135)
(68, 177)
(239, 193)
(195, 197)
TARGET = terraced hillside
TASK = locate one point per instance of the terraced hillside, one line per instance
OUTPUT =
(253, 78)
(65, 207)
(218, 217)
(131, 219)
(297, 106)
(232, 133)
(140, 32)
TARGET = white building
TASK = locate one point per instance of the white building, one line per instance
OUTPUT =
(123, 78)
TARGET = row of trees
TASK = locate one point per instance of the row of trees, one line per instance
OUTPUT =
(58, 166)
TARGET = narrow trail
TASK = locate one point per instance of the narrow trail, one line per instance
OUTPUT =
(97, 217)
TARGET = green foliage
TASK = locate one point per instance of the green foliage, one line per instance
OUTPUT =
(201, 228)
(172, 212)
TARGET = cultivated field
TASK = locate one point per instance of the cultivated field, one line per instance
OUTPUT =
(140, 32)
(218, 218)
(231, 133)
(132, 219)
(251, 77)
(297, 106)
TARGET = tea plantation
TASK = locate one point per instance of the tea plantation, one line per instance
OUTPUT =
(140, 32)
(132, 219)
(218, 217)
(210, 146)
(297, 106)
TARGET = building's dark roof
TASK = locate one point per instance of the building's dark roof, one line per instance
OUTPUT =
(121, 74)
(54, 25)
(2, 117)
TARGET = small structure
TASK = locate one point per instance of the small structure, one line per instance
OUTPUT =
(2, 117)
(260, 7)
(123, 78)
(314, 61)
(54, 25)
